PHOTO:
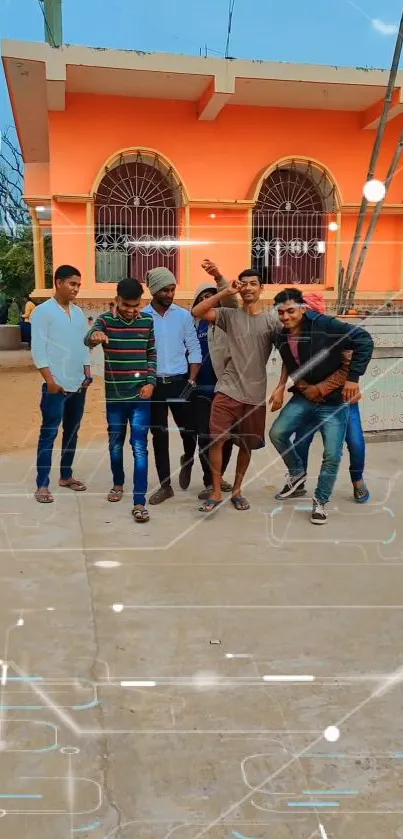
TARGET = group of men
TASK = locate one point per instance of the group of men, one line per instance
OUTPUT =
(207, 367)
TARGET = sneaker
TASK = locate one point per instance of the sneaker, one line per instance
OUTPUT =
(294, 488)
(319, 514)
(297, 493)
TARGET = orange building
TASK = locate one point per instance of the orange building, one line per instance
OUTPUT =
(136, 159)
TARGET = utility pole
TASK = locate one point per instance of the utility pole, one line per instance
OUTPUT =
(52, 13)
(351, 276)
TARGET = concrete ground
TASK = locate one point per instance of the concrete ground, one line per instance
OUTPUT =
(197, 612)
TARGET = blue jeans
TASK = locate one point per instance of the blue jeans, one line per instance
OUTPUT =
(298, 416)
(354, 440)
(58, 408)
(138, 416)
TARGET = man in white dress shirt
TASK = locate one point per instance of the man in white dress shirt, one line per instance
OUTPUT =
(178, 363)
(58, 351)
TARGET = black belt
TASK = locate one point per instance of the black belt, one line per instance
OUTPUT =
(166, 380)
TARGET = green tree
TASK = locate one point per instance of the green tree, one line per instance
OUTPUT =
(16, 244)
(17, 264)
(13, 209)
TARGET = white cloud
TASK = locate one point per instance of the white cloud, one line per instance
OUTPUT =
(384, 28)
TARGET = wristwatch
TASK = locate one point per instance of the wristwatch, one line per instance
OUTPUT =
(191, 383)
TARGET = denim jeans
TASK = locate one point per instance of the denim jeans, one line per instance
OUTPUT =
(298, 416)
(354, 440)
(58, 408)
(138, 416)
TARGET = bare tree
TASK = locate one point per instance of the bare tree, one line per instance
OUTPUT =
(14, 212)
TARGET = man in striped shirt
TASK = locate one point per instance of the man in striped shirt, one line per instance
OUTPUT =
(127, 336)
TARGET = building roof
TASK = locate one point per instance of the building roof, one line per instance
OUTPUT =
(39, 76)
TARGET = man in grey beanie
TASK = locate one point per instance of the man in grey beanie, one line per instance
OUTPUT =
(178, 363)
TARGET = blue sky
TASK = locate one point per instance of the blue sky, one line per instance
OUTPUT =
(343, 32)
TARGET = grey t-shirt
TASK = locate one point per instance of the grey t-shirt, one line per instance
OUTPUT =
(250, 341)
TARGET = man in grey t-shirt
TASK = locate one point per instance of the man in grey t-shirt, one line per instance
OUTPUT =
(239, 406)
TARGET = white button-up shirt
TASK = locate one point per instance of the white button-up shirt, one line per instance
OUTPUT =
(58, 343)
(176, 340)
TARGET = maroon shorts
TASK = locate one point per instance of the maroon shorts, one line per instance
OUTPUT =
(244, 424)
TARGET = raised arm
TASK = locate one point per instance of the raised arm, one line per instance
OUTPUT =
(213, 271)
(206, 309)
(231, 301)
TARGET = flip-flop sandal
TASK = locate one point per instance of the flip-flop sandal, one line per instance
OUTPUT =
(362, 494)
(44, 497)
(240, 503)
(140, 515)
(226, 487)
(76, 486)
(209, 505)
(115, 495)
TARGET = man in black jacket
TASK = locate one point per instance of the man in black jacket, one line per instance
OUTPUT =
(311, 346)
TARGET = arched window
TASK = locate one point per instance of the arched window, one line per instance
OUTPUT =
(137, 219)
(290, 224)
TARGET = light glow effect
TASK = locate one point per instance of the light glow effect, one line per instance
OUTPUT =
(288, 678)
(374, 191)
(107, 563)
(205, 680)
(165, 243)
(331, 734)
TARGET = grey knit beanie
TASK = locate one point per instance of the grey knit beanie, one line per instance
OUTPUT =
(159, 278)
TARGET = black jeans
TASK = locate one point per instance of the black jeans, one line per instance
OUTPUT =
(201, 405)
(169, 394)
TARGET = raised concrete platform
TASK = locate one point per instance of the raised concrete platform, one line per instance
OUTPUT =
(201, 745)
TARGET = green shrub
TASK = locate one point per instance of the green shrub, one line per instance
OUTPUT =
(14, 316)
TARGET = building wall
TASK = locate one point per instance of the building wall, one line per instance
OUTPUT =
(383, 263)
(37, 179)
(219, 160)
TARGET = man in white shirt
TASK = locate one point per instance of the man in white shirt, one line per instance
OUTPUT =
(178, 362)
(58, 351)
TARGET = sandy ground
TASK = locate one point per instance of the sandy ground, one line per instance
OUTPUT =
(20, 385)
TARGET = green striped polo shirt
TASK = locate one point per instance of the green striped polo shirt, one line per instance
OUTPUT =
(130, 355)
